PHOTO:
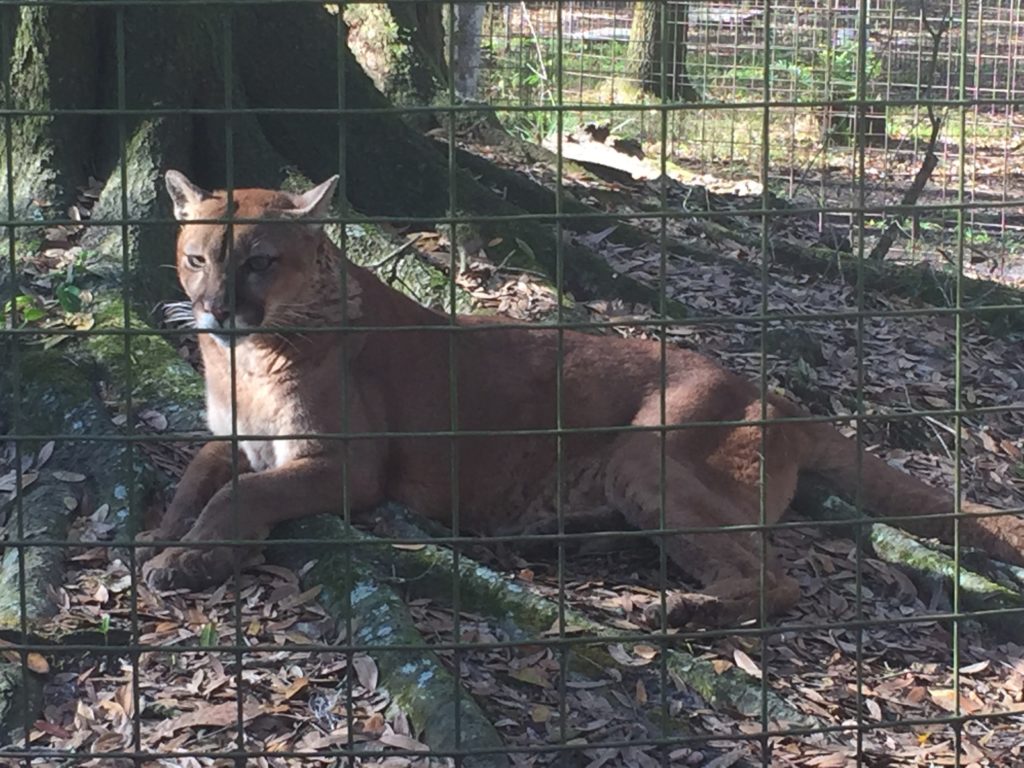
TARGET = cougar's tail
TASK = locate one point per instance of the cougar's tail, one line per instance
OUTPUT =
(886, 491)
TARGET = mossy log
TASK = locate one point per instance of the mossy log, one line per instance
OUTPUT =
(429, 571)
(980, 591)
(416, 680)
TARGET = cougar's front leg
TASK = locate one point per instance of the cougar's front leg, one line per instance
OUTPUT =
(246, 512)
(208, 472)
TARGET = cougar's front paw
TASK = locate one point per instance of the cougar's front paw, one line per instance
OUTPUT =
(144, 549)
(171, 528)
(184, 568)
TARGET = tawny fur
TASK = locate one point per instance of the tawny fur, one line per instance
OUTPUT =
(397, 381)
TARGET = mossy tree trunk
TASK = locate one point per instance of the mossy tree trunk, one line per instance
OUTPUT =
(42, 49)
(401, 47)
(658, 50)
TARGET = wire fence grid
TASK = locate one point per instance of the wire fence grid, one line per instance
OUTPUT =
(759, 134)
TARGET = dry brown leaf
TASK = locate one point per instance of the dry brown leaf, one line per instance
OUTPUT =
(531, 675)
(297, 685)
(68, 477)
(720, 665)
(973, 669)
(400, 741)
(641, 692)
(294, 601)
(123, 696)
(44, 453)
(212, 715)
(35, 661)
(366, 671)
(874, 710)
(153, 419)
(373, 724)
(9, 482)
(645, 651)
(947, 699)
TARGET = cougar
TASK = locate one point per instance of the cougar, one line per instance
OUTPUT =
(358, 406)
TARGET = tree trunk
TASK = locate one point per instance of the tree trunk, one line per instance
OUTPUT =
(401, 48)
(43, 48)
(469, 22)
(290, 65)
(658, 50)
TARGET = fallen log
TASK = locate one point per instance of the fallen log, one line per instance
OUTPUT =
(414, 676)
(428, 572)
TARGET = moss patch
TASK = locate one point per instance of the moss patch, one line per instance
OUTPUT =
(152, 366)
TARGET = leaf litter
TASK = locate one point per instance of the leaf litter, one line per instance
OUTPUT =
(289, 698)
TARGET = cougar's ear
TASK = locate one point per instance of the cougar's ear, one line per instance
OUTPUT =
(315, 203)
(184, 194)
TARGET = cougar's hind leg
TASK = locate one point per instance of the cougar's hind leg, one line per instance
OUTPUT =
(727, 564)
(590, 520)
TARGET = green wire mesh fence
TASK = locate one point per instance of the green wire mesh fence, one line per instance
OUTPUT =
(823, 198)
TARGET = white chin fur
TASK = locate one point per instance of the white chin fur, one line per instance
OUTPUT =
(206, 322)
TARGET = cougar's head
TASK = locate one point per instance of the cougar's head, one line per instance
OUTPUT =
(253, 264)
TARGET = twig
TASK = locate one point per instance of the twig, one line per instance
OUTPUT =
(931, 161)
(935, 424)
(540, 51)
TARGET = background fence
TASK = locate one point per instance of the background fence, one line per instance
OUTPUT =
(718, 55)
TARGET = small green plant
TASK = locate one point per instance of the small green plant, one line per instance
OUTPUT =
(26, 308)
(208, 635)
(976, 236)
(840, 61)
(105, 626)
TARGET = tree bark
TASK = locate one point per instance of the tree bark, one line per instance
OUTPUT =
(401, 48)
(469, 21)
(658, 49)
(43, 48)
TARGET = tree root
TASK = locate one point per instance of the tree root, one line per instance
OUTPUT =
(915, 282)
(984, 585)
(414, 677)
(428, 572)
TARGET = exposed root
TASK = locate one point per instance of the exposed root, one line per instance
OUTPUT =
(428, 572)
(984, 585)
(414, 676)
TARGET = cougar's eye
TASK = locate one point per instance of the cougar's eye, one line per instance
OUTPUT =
(259, 263)
(195, 260)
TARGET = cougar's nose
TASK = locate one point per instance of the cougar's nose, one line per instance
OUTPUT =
(219, 310)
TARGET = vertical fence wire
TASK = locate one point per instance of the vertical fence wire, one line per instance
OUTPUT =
(344, 391)
(958, 425)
